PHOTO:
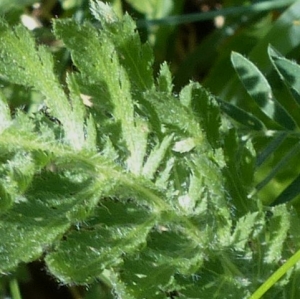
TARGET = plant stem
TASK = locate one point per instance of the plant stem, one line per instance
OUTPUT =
(276, 276)
(14, 289)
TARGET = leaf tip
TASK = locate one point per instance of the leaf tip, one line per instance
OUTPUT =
(103, 12)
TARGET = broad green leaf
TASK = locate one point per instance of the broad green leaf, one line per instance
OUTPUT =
(283, 34)
(259, 89)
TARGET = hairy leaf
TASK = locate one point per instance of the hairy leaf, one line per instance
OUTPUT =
(124, 181)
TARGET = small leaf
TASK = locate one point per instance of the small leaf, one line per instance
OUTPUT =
(177, 116)
(241, 116)
(288, 70)
(164, 80)
(279, 225)
(103, 12)
(156, 157)
(259, 89)
(250, 225)
(184, 146)
(205, 109)
(5, 118)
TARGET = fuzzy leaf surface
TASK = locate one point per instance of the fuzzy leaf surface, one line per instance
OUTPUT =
(153, 197)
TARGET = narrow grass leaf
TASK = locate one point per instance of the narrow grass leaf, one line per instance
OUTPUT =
(284, 162)
(227, 11)
(276, 276)
(271, 147)
(289, 193)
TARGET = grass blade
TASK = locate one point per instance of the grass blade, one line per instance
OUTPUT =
(289, 193)
(229, 11)
(276, 276)
(283, 162)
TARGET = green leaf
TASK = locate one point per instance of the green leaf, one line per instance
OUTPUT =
(134, 130)
(198, 100)
(178, 116)
(156, 157)
(164, 80)
(259, 89)
(118, 229)
(248, 226)
(279, 225)
(42, 224)
(23, 63)
(123, 180)
(128, 47)
(288, 70)
(103, 12)
(282, 33)
(7, 5)
(5, 118)
(241, 116)
(239, 172)
(289, 193)
(270, 148)
(284, 162)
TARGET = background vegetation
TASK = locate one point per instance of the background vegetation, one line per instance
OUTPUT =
(197, 39)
